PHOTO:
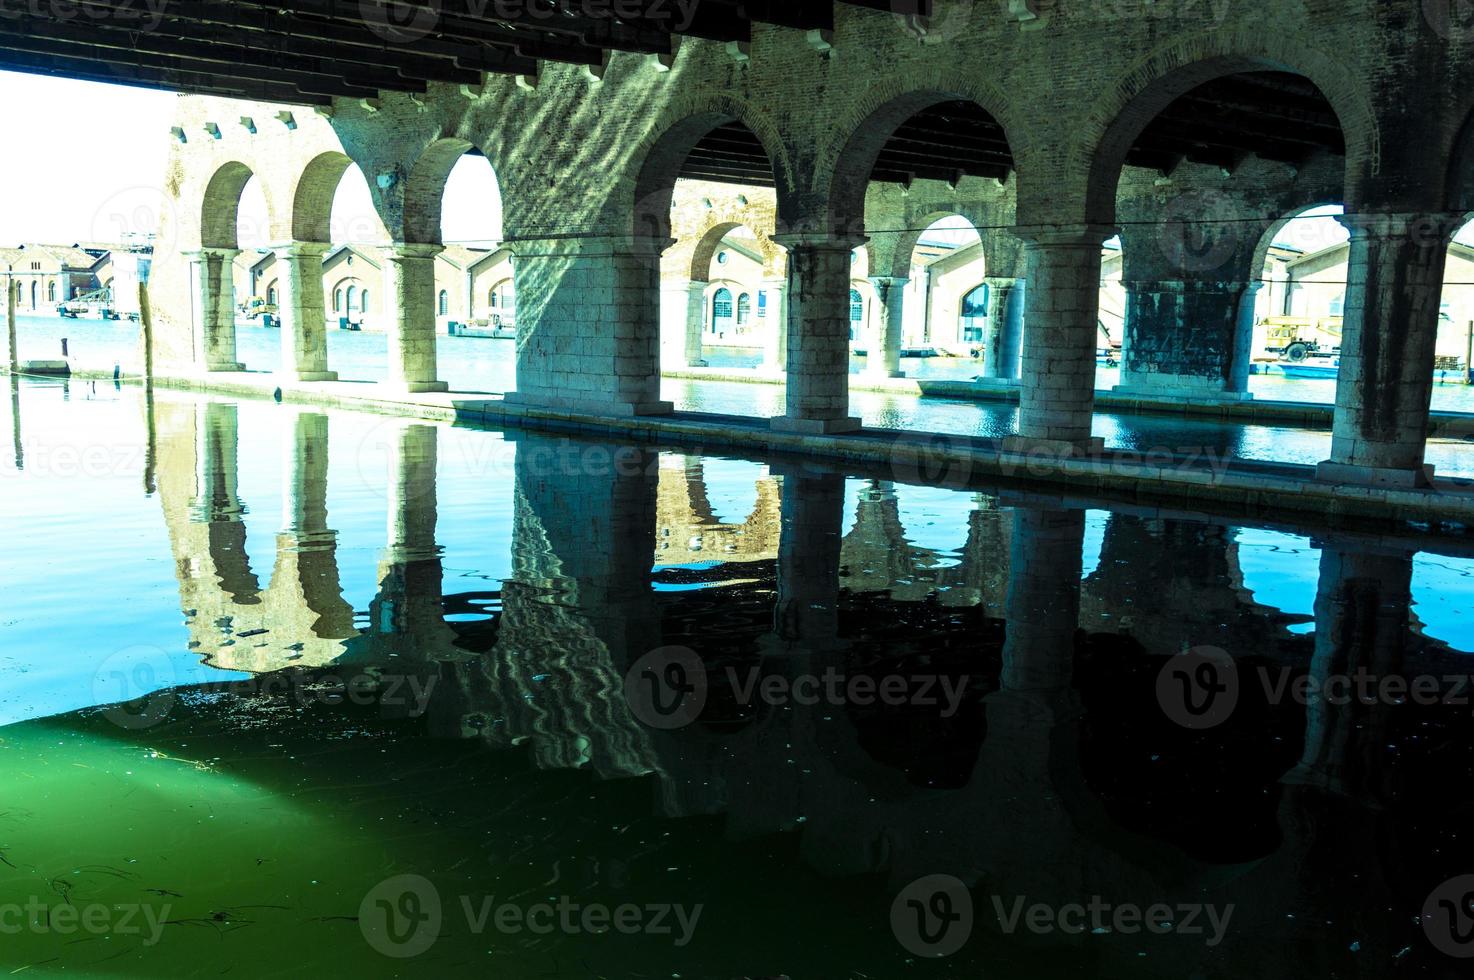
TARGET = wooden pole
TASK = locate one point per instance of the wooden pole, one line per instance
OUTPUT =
(1469, 355)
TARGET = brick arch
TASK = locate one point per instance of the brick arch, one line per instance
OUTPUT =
(424, 188)
(220, 205)
(660, 156)
(843, 166)
(905, 242)
(1460, 180)
(1272, 228)
(312, 197)
(1126, 109)
(710, 239)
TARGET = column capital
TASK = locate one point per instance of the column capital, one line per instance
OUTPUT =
(1430, 228)
(210, 252)
(1064, 235)
(879, 281)
(1001, 282)
(294, 250)
(818, 240)
(398, 251)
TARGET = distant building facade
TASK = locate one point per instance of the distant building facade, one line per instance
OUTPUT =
(44, 276)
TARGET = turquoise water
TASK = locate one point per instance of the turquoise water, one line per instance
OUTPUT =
(291, 691)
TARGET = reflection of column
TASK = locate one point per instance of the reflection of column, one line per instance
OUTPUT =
(407, 614)
(775, 315)
(20, 449)
(1043, 602)
(304, 320)
(1362, 624)
(217, 502)
(818, 335)
(1394, 283)
(695, 321)
(409, 273)
(807, 609)
(883, 359)
(212, 308)
(1005, 328)
(1057, 393)
(307, 549)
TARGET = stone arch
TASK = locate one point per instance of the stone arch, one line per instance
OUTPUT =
(424, 188)
(1272, 229)
(220, 205)
(890, 255)
(850, 158)
(1460, 181)
(661, 156)
(312, 198)
(1123, 112)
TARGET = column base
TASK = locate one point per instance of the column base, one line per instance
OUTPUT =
(224, 368)
(1181, 394)
(1032, 445)
(309, 375)
(1330, 471)
(417, 387)
(814, 427)
(556, 403)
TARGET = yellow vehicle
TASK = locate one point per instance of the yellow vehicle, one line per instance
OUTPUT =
(256, 306)
(1294, 338)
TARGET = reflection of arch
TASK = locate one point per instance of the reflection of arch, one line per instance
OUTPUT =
(312, 201)
(1122, 115)
(220, 209)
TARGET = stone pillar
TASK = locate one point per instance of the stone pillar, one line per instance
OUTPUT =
(1363, 624)
(12, 352)
(1005, 328)
(588, 324)
(1393, 289)
(1042, 607)
(217, 503)
(1057, 392)
(806, 610)
(212, 308)
(775, 320)
(409, 279)
(304, 339)
(695, 321)
(307, 549)
(818, 321)
(883, 354)
(1183, 339)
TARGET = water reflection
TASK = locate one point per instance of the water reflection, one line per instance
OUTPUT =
(874, 710)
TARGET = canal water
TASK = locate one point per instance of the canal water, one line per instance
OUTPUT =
(289, 692)
(479, 364)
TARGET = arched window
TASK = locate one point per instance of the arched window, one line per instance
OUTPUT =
(974, 313)
(363, 301)
(51, 292)
(503, 296)
(744, 309)
(338, 300)
(444, 303)
(34, 303)
(721, 310)
(857, 306)
(352, 297)
(271, 295)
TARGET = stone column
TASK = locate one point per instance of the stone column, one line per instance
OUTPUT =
(1394, 285)
(304, 355)
(695, 321)
(775, 320)
(1057, 392)
(12, 352)
(307, 549)
(1183, 339)
(588, 324)
(1043, 600)
(217, 503)
(212, 308)
(1005, 328)
(883, 355)
(409, 278)
(818, 321)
